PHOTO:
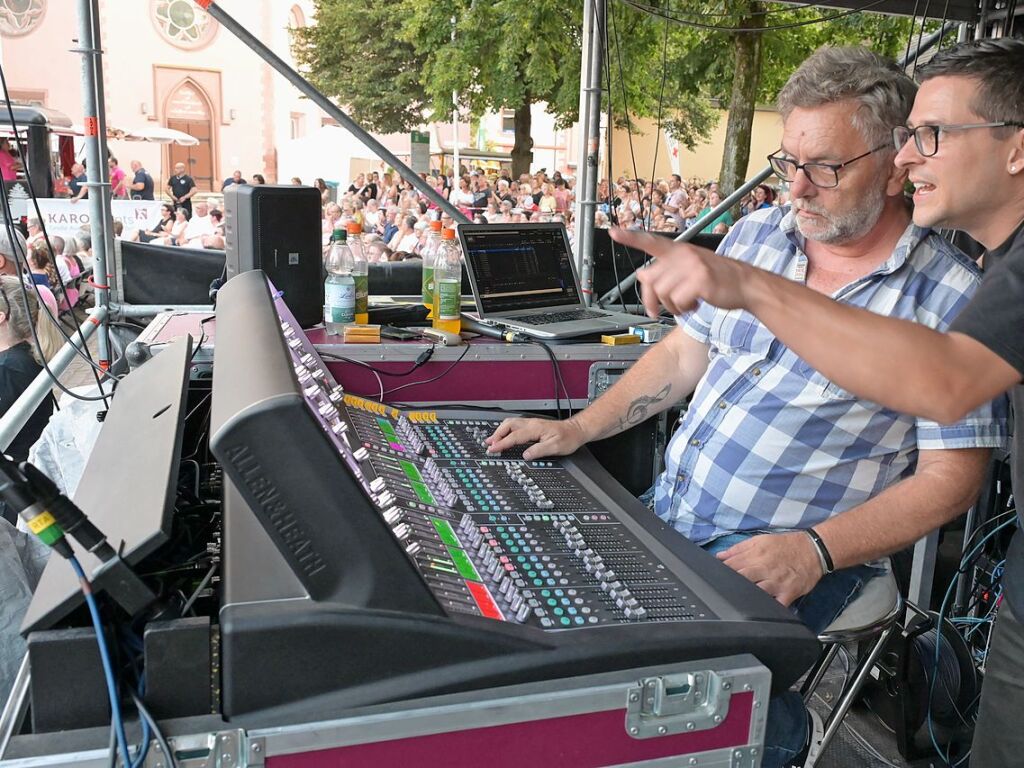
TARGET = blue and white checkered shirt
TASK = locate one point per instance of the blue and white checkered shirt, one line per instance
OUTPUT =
(770, 443)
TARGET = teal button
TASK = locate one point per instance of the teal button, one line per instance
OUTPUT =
(566, 621)
(545, 593)
(538, 582)
(557, 611)
(552, 602)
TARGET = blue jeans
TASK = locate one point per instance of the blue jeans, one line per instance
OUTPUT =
(786, 730)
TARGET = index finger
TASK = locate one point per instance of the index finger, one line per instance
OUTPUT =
(643, 241)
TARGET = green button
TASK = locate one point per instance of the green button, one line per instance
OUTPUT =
(566, 621)
(551, 601)
(444, 530)
(464, 564)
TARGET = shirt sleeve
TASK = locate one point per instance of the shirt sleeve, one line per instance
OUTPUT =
(984, 427)
(995, 315)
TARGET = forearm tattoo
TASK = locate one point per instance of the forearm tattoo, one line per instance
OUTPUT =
(640, 408)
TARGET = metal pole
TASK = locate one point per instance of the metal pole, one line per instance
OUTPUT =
(15, 707)
(696, 227)
(590, 127)
(23, 408)
(329, 107)
(455, 126)
(96, 154)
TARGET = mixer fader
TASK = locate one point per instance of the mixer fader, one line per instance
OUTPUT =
(498, 536)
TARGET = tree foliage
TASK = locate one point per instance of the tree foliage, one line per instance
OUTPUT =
(355, 54)
(396, 65)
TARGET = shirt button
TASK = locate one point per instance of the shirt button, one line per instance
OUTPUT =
(757, 371)
(723, 405)
(695, 442)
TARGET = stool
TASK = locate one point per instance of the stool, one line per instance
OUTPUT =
(870, 617)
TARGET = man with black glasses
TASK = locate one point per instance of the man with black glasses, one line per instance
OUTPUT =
(770, 455)
(963, 149)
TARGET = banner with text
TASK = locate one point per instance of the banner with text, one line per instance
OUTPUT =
(64, 218)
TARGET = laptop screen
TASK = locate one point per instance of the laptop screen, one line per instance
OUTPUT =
(519, 266)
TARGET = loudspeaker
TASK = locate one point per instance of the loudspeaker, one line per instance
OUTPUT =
(276, 228)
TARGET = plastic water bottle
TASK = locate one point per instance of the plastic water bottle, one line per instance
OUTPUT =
(360, 272)
(339, 287)
(429, 256)
(447, 302)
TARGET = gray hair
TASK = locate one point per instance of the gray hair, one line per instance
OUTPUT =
(20, 317)
(6, 249)
(997, 65)
(882, 90)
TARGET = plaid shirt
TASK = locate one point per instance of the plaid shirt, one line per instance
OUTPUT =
(768, 442)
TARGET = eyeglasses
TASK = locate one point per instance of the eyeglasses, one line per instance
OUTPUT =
(926, 137)
(824, 175)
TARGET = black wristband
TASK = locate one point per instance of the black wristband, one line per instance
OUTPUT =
(822, 550)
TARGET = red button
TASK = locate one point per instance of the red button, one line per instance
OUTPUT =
(484, 601)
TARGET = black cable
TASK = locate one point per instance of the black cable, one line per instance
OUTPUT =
(423, 358)
(443, 373)
(661, 104)
(942, 29)
(625, 104)
(920, 37)
(559, 381)
(735, 15)
(910, 34)
(24, 292)
(84, 350)
(652, 11)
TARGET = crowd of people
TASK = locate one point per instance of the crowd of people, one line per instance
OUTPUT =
(395, 217)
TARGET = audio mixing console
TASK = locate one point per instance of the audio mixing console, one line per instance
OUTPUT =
(395, 535)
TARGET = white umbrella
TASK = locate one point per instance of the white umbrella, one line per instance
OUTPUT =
(161, 135)
(156, 133)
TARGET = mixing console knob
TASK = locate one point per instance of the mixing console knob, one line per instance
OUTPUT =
(286, 328)
(327, 410)
(337, 395)
(482, 550)
(386, 499)
(339, 427)
(303, 376)
(295, 343)
(311, 390)
(307, 359)
(377, 484)
(522, 613)
(611, 587)
(413, 548)
(393, 515)
(318, 373)
(466, 523)
(361, 454)
(476, 540)
(401, 531)
(636, 613)
(546, 504)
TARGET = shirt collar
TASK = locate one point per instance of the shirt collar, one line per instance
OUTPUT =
(911, 238)
(1001, 250)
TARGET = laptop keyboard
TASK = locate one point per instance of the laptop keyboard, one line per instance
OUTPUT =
(560, 317)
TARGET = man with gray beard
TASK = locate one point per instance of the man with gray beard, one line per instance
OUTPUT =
(770, 456)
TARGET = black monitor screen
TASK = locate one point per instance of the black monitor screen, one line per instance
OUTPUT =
(520, 267)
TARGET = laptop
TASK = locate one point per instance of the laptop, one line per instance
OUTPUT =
(524, 278)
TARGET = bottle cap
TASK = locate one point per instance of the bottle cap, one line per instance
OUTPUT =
(448, 234)
(354, 228)
(436, 225)
(339, 234)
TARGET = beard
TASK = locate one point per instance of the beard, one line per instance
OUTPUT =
(841, 227)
